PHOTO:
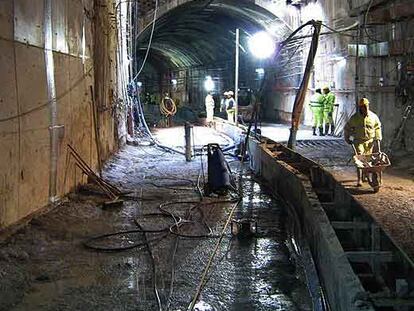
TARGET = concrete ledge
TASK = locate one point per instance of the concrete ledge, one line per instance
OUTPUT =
(230, 129)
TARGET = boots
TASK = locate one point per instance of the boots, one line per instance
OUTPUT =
(314, 130)
(321, 131)
(332, 130)
(327, 129)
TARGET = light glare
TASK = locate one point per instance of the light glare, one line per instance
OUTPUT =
(260, 71)
(262, 45)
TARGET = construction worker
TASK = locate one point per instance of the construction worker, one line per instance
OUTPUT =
(362, 130)
(209, 102)
(329, 103)
(230, 107)
(317, 104)
(223, 105)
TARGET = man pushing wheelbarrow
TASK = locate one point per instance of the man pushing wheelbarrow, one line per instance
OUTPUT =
(363, 131)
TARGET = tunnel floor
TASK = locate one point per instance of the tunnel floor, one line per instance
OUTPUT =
(45, 265)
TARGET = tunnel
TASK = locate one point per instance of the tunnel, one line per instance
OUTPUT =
(206, 155)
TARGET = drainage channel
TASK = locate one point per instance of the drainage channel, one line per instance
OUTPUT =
(384, 270)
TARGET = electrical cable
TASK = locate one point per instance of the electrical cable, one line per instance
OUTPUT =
(342, 30)
(294, 52)
(212, 256)
(154, 269)
(176, 232)
(170, 187)
(366, 20)
(149, 42)
(89, 243)
(177, 240)
(229, 246)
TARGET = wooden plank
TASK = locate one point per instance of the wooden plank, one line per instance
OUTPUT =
(350, 225)
(367, 256)
(393, 302)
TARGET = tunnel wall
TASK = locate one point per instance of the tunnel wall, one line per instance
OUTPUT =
(52, 67)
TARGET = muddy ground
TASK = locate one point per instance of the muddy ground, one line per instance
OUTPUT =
(46, 265)
(393, 206)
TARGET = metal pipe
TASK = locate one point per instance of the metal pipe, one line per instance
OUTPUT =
(188, 148)
(300, 97)
(236, 77)
(51, 94)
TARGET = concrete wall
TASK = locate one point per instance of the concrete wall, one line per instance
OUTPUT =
(49, 66)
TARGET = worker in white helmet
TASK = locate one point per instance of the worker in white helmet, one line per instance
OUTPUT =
(230, 107)
(209, 102)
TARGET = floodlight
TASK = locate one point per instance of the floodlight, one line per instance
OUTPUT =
(262, 45)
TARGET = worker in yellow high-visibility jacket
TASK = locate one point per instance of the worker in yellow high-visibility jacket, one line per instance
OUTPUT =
(316, 105)
(362, 130)
(329, 103)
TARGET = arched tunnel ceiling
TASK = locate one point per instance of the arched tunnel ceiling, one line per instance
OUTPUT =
(201, 33)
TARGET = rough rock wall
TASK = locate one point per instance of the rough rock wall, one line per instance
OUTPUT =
(54, 54)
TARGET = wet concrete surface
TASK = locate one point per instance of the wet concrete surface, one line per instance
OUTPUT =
(45, 266)
(281, 132)
(201, 136)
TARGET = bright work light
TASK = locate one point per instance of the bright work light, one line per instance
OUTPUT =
(262, 45)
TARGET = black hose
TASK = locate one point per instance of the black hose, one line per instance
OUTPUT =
(192, 236)
(89, 243)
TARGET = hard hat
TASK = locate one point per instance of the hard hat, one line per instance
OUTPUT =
(226, 93)
(230, 93)
(326, 88)
(363, 102)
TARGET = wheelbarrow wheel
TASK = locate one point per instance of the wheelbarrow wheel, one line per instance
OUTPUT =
(375, 182)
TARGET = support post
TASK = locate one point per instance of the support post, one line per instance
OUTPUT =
(236, 78)
(51, 96)
(188, 148)
(300, 96)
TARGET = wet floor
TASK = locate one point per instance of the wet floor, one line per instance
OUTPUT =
(257, 272)
(46, 265)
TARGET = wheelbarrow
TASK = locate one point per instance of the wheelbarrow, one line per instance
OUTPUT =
(371, 166)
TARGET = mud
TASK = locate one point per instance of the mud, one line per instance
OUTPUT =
(46, 266)
(393, 206)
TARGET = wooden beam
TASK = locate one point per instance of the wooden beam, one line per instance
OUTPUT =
(367, 256)
(350, 225)
(392, 302)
